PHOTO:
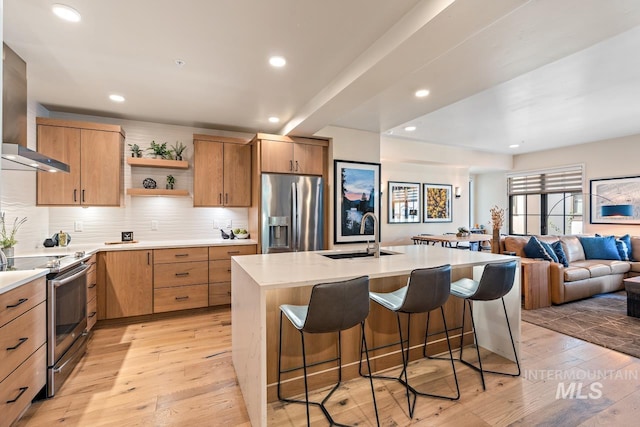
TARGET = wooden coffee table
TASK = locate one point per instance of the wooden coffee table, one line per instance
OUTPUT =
(632, 286)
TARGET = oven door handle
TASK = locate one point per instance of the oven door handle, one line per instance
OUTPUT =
(77, 273)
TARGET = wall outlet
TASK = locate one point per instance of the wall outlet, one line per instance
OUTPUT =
(77, 226)
(224, 224)
(154, 225)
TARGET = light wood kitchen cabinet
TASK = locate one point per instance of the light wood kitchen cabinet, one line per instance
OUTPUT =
(22, 348)
(180, 279)
(94, 153)
(221, 172)
(128, 283)
(291, 157)
(92, 285)
(220, 271)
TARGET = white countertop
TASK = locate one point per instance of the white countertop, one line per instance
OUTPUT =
(12, 279)
(306, 268)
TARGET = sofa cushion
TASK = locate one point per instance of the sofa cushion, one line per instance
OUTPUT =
(573, 248)
(600, 247)
(626, 241)
(557, 249)
(572, 274)
(516, 244)
(535, 249)
(603, 267)
(635, 248)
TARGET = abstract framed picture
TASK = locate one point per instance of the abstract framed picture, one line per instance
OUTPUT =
(403, 200)
(437, 203)
(357, 192)
(615, 200)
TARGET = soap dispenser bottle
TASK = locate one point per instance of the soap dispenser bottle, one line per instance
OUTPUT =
(62, 238)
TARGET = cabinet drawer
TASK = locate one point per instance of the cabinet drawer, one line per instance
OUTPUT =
(219, 271)
(21, 337)
(226, 252)
(180, 298)
(19, 389)
(92, 290)
(163, 256)
(180, 273)
(91, 278)
(21, 299)
(92, 313)
(220, 293)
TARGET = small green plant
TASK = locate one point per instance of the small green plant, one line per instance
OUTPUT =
(8, 238)
(170, 182)
(158, 150)
(463, 230)
(178, 149)
(136, 151)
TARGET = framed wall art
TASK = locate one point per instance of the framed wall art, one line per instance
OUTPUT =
(357, 191)
(437, 203)
(403, 200)
(615, 200)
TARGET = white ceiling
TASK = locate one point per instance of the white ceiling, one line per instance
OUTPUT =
(543, 73)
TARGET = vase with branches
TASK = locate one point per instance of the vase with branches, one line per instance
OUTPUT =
(8, 234)
(497, 221)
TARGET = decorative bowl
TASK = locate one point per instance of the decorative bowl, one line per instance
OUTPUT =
(242, 236)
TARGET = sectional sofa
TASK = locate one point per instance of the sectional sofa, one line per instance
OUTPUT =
(584, 273)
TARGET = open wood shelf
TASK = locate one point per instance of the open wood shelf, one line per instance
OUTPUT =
(157, 163)
(156, 192)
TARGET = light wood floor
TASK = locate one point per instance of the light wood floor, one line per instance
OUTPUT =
(177, 371)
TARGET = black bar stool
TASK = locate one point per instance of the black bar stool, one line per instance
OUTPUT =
(333, 307)
(427, 289)
(496, 281)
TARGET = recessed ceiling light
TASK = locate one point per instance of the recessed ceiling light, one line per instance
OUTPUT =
(116, 98)
(422, 93)
(514, 146)
(180, 63)
(274, 119)
(277, 61)
(65, 12)
(410, 128)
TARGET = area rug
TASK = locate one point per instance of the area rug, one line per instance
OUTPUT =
(600, 320)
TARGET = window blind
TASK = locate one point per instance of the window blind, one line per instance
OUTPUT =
(565, 181)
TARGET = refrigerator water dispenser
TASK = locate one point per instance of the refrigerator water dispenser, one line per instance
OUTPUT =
(278, 232)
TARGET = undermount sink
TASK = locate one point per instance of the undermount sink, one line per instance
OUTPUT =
(355, 254)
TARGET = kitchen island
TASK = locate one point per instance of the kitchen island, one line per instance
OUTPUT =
(261, 283)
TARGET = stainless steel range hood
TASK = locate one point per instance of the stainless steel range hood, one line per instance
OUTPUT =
(15, 154)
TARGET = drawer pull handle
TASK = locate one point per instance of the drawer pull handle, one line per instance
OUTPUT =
(21, 341)
(182, 274)
(181, 255)
(93, 313)
(20, 301)
(229, 270)
(22, 390)
(233, 252)
(92, 286)
(182, 298)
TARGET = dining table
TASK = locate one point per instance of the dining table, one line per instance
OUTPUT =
(451, 240)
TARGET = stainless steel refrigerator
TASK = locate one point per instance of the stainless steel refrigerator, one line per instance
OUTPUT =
(292, 213)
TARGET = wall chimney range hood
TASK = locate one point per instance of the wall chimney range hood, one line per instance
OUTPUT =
(15, 154)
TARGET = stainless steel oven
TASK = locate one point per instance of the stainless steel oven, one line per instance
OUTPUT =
(66, 323)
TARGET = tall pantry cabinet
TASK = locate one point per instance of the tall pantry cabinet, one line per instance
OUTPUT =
(94, 153)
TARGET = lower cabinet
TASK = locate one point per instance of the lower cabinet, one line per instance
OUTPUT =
(22, 348)
(128, 283)
(220, 271)
(180, 279)
(92, 292)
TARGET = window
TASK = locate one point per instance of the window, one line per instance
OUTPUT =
(546, 203)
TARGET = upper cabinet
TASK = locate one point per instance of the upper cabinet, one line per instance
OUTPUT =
(291, 157)
(221, 171)
(94, 153)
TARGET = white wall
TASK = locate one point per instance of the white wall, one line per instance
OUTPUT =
(602, 159)
(491, 190)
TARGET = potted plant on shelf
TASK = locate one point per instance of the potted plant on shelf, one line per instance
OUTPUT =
(136, 151)
(462, 232)
(178, 149)
(8, 237)
(159, 151)
(170, 182)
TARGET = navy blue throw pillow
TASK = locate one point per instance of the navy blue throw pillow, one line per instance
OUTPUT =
(534, 249)
(600, 248)
(626, 239)
(562, 257)
(549, 249)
